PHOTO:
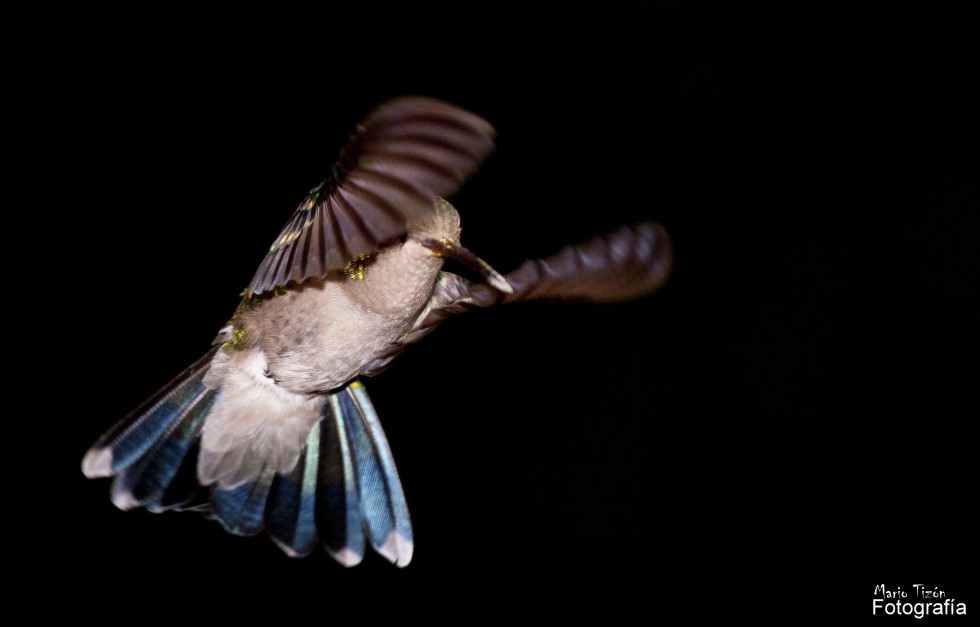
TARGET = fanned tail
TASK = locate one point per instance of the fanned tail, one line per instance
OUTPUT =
(344, 489)
(343, 492)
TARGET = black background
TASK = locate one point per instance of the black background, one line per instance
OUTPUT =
(779, 429)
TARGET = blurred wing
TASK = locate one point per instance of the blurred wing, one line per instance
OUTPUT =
(627, 263)
(404, 155)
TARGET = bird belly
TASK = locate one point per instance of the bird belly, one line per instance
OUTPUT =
(318, 338)
(295, 346)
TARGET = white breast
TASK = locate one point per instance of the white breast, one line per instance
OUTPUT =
(317, 337)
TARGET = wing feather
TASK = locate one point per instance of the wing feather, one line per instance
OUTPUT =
(627, 263)
(401, 158)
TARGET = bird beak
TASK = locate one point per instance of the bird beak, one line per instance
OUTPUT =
(453, 250)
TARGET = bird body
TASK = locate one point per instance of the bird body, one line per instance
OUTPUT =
(273, 429)
(280, 353)
(318, 334)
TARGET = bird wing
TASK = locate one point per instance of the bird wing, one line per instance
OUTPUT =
(627, 263)
(404, 155)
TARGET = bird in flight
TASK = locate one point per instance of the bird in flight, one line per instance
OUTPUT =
(272, 429)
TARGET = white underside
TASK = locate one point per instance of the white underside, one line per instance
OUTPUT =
(254, 424)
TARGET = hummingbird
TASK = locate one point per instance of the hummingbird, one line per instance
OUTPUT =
(272, 429)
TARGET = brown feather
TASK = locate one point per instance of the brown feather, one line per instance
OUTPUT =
(403, 156)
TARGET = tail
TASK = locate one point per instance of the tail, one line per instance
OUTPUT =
(344, 491)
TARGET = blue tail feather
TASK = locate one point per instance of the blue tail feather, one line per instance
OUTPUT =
(241, 510)
(344, 492)
(338, 510)
(147, 480)
(291, 513)
(382, 501)
(185, 493)
(131, 438)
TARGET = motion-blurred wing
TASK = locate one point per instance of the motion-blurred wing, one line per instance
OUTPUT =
(626, 263)
(404, 155)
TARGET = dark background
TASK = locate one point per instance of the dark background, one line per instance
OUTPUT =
(779, 429)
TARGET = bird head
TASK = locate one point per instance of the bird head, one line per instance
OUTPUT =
(439, 231)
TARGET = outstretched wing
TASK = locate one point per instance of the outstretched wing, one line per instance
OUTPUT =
(404, 155)
(627, 263)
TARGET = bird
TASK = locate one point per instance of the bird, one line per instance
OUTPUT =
(272, 429)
